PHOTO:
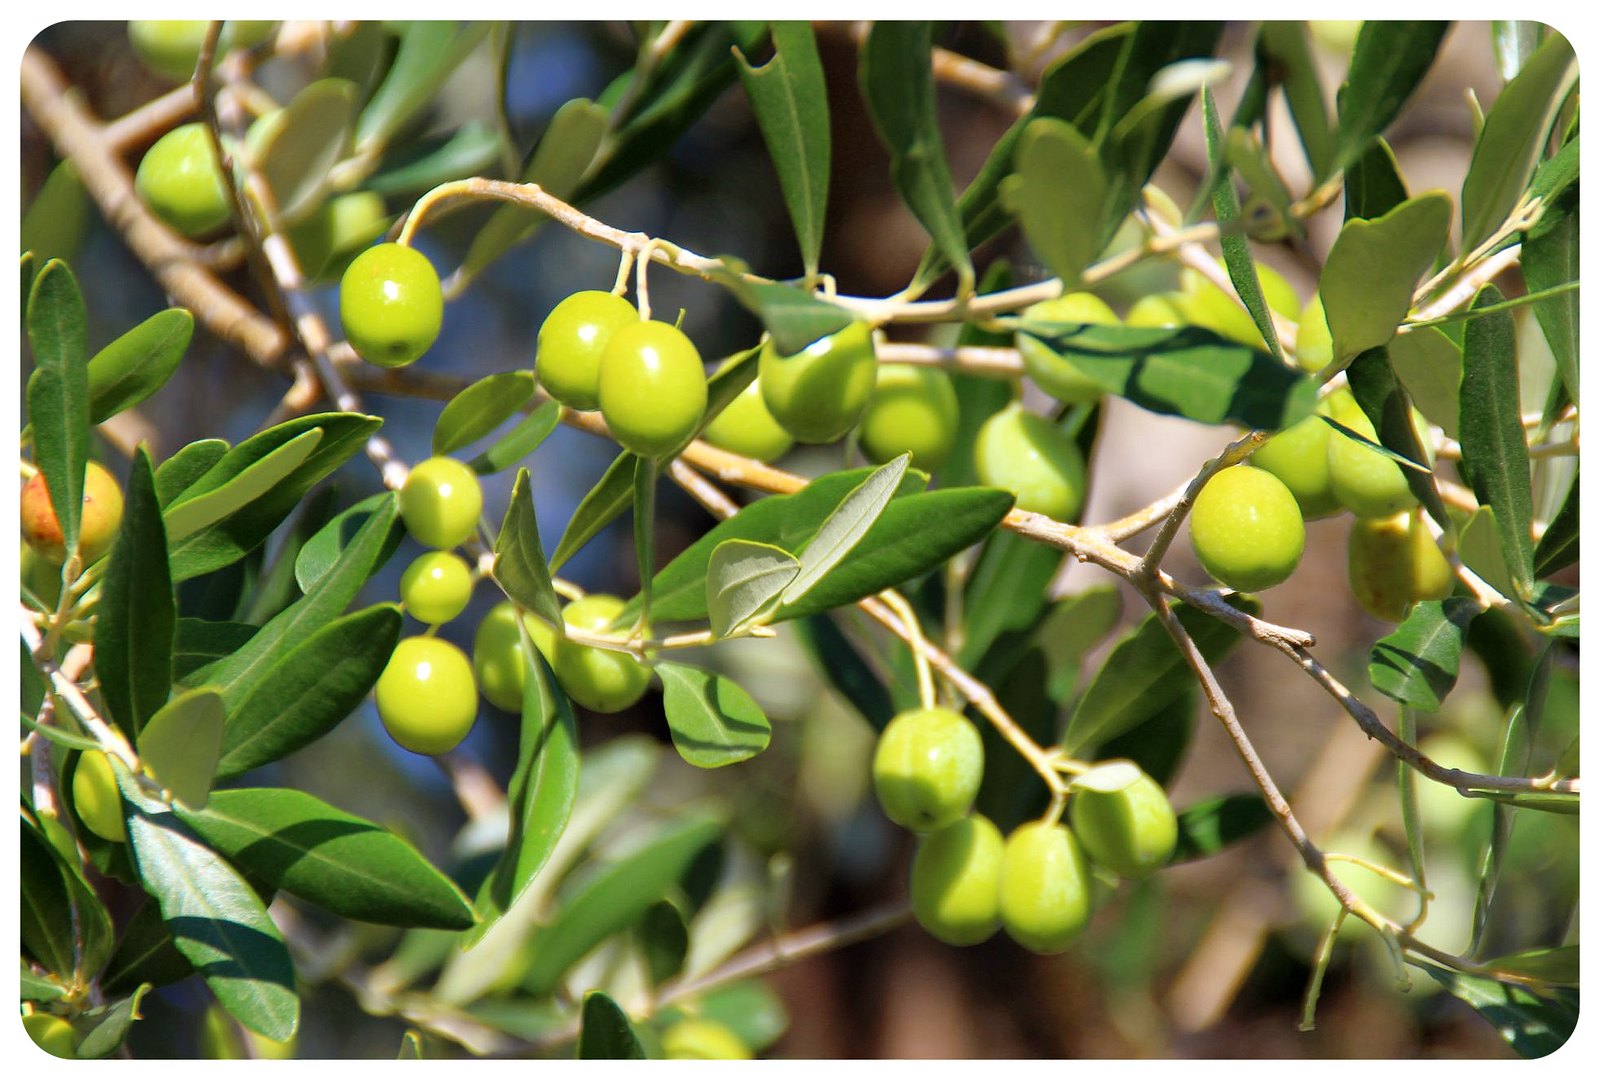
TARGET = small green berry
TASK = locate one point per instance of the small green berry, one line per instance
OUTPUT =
(1246, 529)
(179, 180)
(440, 502)
(571, 341)
(436, 586)
(746, 427)
(652, 388)
(818, 394)
(927, 768)
(96, 797)
(955, 881)
(426, 695)
(391, 305)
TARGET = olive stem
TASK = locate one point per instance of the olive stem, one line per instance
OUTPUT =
(66, 688)
(1232, 454)
(926, 693)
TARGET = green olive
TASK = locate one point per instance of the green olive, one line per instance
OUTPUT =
(1298, 455)
(1026, 455)
(818, 394)
(1206, 305)
(440, 502)
(746, 427)
(96, 798)
(1313, 343)
(498, 657)
(702, 1040)
(927, 768)
(1157, 310)
(391, 305)
(171, 47)
(98, 521)
(179, 179)
(1125, 824)
(913, 409)
(1393, 563)
(1052, 373)
(436, 586)
(955, 881)
(426, 695)
(1368, 483)
(571, 341)
(652, 388)
(1046, 889)
(604, 680)
(52, 1034)
(1246, 529)
(328, 239)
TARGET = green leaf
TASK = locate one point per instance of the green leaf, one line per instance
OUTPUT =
(784, 521)
(543, 786)
(1235, 247)
(1160, 743)
(847, 670)
(429, 52)
(102, 1029)
(744, 580)
(276, 587)
(342, 863)
(663, 938)
(180, 471)
(481, 408)
(606, 1033)
(1428, 365)
(1389, 61)
(519, 563)
(522, 440)
(1533, 1024)
(1057, 193)
(1558, 547)
(1494, 455)
(241, 532)
(323, 551)
(41, 988)
(63, 924)
(605, 501)
(1286, 49)
(915, 534)
(303, 142)
(1208, 827)
(1182, 371)
(749, 1008)
(568, 145)
(472, 149)
(713, 721)
(190, 513)
(1006, 594)
(145, 953)
(1372, 183)
(1145, 672)
(1513, 138)
(1550, 260)
(134, 625)
(789, 97)
(138, 363)
(897, 85)
(181, 743)
(1514, 41)
(53, 733)
(1373, 268)
(54, 224)
(615, 899)
(1377, 391)
(217, 921)
(794, 317)
(1481, 550)
(1550, 802)
(1558, 966)
(1417, 663)
(308, 689)
(856, 513)
(239, 674)
(58, 391)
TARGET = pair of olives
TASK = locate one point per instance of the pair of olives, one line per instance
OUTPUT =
(602, 680)
(966, 880)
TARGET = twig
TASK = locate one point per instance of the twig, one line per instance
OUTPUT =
(67, 690)
(143, 124)
(1003, 89)
(986, 362)
(1232, 454)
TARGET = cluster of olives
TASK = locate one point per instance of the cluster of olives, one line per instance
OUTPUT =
(967, 880)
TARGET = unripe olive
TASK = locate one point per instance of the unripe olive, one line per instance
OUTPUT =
(1028, 456)
(96, 798)
(51, 1033)
(98, 522)
(571, 340)
(652, 387)
(1393, 563)
(171, 47)
(223, 1039)
(1050, 372)
(746, 427)
(1205, 304)
(1046, 889)
(498, 657)
(1313, 342)
(1368, 483)
(703, 1040)
(327, 240)
(1157, 310)
(913, 409)
(391, 304)
(955, 881)
(427, 698)
(1128, 829)
(927, 768)
(1246, 529)
(178, 178)
(1318, 906)
(604, 680)
(818, 393)
(1445, 813)
(1298, 456)
(440, 502)
(436, 586)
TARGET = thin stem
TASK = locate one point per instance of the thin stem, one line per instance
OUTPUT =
(1234, 453)
(908, 618)
(67, 690)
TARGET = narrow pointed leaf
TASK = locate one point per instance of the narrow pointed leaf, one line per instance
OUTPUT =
(1533, 1024)
(342, 863)
(606, 1033)
(1550, 260)
(1417, 663)
(64, 926)
(1235, 247)
(481, 408)
(181, 744)
(519, 563)
(323, 551)
(183, 469)
(429, 51)
(137, 615)
(793, 316)
(600, 507)
(1372, 183)
(188, 515)
(522, 440)
(845, 527)
(1208, 827)
(1287, 46)
(1389, 61)
(138, 363)
(102, 1029)
(1558, 547)
(713, 721)
(1494, 455)
(58, 390)
(304, 141)
(743, 581)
